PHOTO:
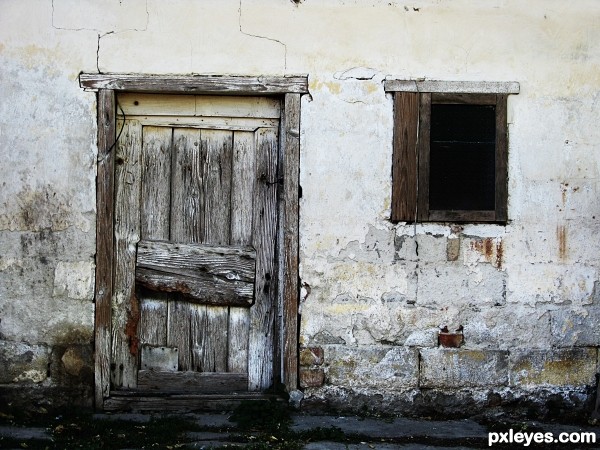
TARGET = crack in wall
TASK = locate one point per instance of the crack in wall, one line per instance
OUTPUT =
(262, 37)
(98, 32)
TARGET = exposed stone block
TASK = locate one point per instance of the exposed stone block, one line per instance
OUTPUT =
(452, 249)
(556, 367)
(74, 279)
(422, 338)
(378, 367)
(311, 377)
(459, 368)
(310, 356)
(22, 362)
(575, 328)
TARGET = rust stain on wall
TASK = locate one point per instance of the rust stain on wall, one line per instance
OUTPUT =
(492, 249)
(561, 236)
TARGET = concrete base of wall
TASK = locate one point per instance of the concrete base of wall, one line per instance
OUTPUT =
(566, 403)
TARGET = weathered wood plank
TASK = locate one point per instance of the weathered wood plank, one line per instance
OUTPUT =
(192, 382)
(196, 84)
(104, 244)
(291, 164)
(187, 226)
(424, 156)
(404, 161)
(466, 87)
(227, 262)
(501, 159)
(125, 308)
(242, 194)
(134, 401)
(217, 223)
(187, 196)
(155, 217)
(179, 331)
(204, 122)
(198, 105)
(217, 185)
(264, 311)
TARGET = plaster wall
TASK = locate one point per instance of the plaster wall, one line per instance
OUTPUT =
(374, 293)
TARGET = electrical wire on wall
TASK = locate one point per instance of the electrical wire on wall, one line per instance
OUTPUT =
(114, 144)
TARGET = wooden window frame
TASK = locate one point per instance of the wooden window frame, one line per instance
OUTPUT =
(289, 89)
(411, 146)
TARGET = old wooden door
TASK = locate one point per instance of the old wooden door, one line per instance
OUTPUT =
(194, 303)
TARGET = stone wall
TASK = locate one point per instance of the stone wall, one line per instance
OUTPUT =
(374, 294)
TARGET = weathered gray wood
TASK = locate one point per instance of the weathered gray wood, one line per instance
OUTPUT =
(187, 225)
(290, 287)
(424, 158)
(467, 87)
(404, 161)
(203, 274)
(134, 400)
(206, 122)
(192, 382)
(164, 359)
(217, 230)
(217, 185)
(104, 244)
(264, 311)
(187, 195)
(125, 308)
(196, 84)
(133, 104)
(155, 217)
(242, 194)
(179, 331)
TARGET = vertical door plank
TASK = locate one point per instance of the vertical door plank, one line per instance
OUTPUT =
(218, 145)
(155, 217)
(127, 234)
(187, 225)
(262, 314)
(104, 243)
(187, 199)
(404, 161)
(291, 163)
(242, 194)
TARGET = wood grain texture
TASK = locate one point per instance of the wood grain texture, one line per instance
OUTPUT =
(187, 190)
(242, 194)
(179, 331)
(155, 218)
(125, 307)
(291, 164)
(192, 382)
(104, 244)
(501, 159)
(196, 84)
(204, 274)
(134, 400)
(424, 158)
(404, 161)
(133, 104)
(217, 230)
(466, 87)
(264, 311)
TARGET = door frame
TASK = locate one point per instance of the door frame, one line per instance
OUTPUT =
(289, 89)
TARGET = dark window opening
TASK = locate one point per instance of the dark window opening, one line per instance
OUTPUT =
(462, 157)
